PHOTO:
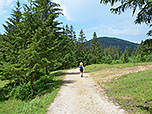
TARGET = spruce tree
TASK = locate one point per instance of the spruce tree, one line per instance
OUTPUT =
(32, 41)
(82, 48)
(11, 45)
(127, 53)
(71, 51)
(67, 56)
(43, 37)
(96, 50)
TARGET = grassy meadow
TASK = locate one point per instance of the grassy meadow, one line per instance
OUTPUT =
(39, 104)
(132, 91)
(98, 67)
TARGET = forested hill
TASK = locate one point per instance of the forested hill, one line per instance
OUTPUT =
(109, 41)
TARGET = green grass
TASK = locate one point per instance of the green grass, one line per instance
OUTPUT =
(38, 105)
(98, 71)
(132, 91)
(97, 67)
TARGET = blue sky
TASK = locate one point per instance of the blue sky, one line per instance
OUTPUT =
(91, 16)
(6, 7)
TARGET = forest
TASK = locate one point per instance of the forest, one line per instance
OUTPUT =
(35, 43)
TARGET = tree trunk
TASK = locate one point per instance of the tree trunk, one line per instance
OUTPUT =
(32, 86)
(47, 70)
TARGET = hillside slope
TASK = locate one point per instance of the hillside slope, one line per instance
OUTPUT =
(109, 41)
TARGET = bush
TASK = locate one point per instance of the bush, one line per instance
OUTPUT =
(108, 59)
(4, 91)
(42, 85)
(116, 62)
(135, 59)
(148, 58)
(23, 91)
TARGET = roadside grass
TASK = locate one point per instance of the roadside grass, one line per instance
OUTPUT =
(98, 67)
(98, 71)
(38, 105)
(132, 92)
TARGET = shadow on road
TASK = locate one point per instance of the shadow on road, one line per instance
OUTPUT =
(85, 76)
(73, 73)
(66, 82)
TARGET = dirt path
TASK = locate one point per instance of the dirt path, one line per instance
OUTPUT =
(81, 96)
(119, 72)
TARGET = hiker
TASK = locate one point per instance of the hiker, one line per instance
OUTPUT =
(81, 69)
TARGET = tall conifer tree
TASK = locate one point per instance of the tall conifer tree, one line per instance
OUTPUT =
(11, 45)
(82, 48)
(96, 50)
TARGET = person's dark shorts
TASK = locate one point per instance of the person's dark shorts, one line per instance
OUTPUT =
(81, 69)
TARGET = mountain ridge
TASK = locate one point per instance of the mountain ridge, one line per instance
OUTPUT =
(113, 41)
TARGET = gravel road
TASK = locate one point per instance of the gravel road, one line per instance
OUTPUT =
(81, 96)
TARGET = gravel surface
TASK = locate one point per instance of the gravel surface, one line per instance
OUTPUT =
(81, 96)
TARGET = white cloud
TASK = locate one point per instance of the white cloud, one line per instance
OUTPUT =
(76, 10)
(65, 12)
(124, 28)
(8, 2)
(2, 11)
(5, 6)
(4, 3)
(64, 8)
(12, 6)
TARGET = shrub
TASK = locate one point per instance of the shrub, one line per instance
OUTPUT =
(117, 62)
(148, 58)
(23, 91)
(108, 59)
(135, 59)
